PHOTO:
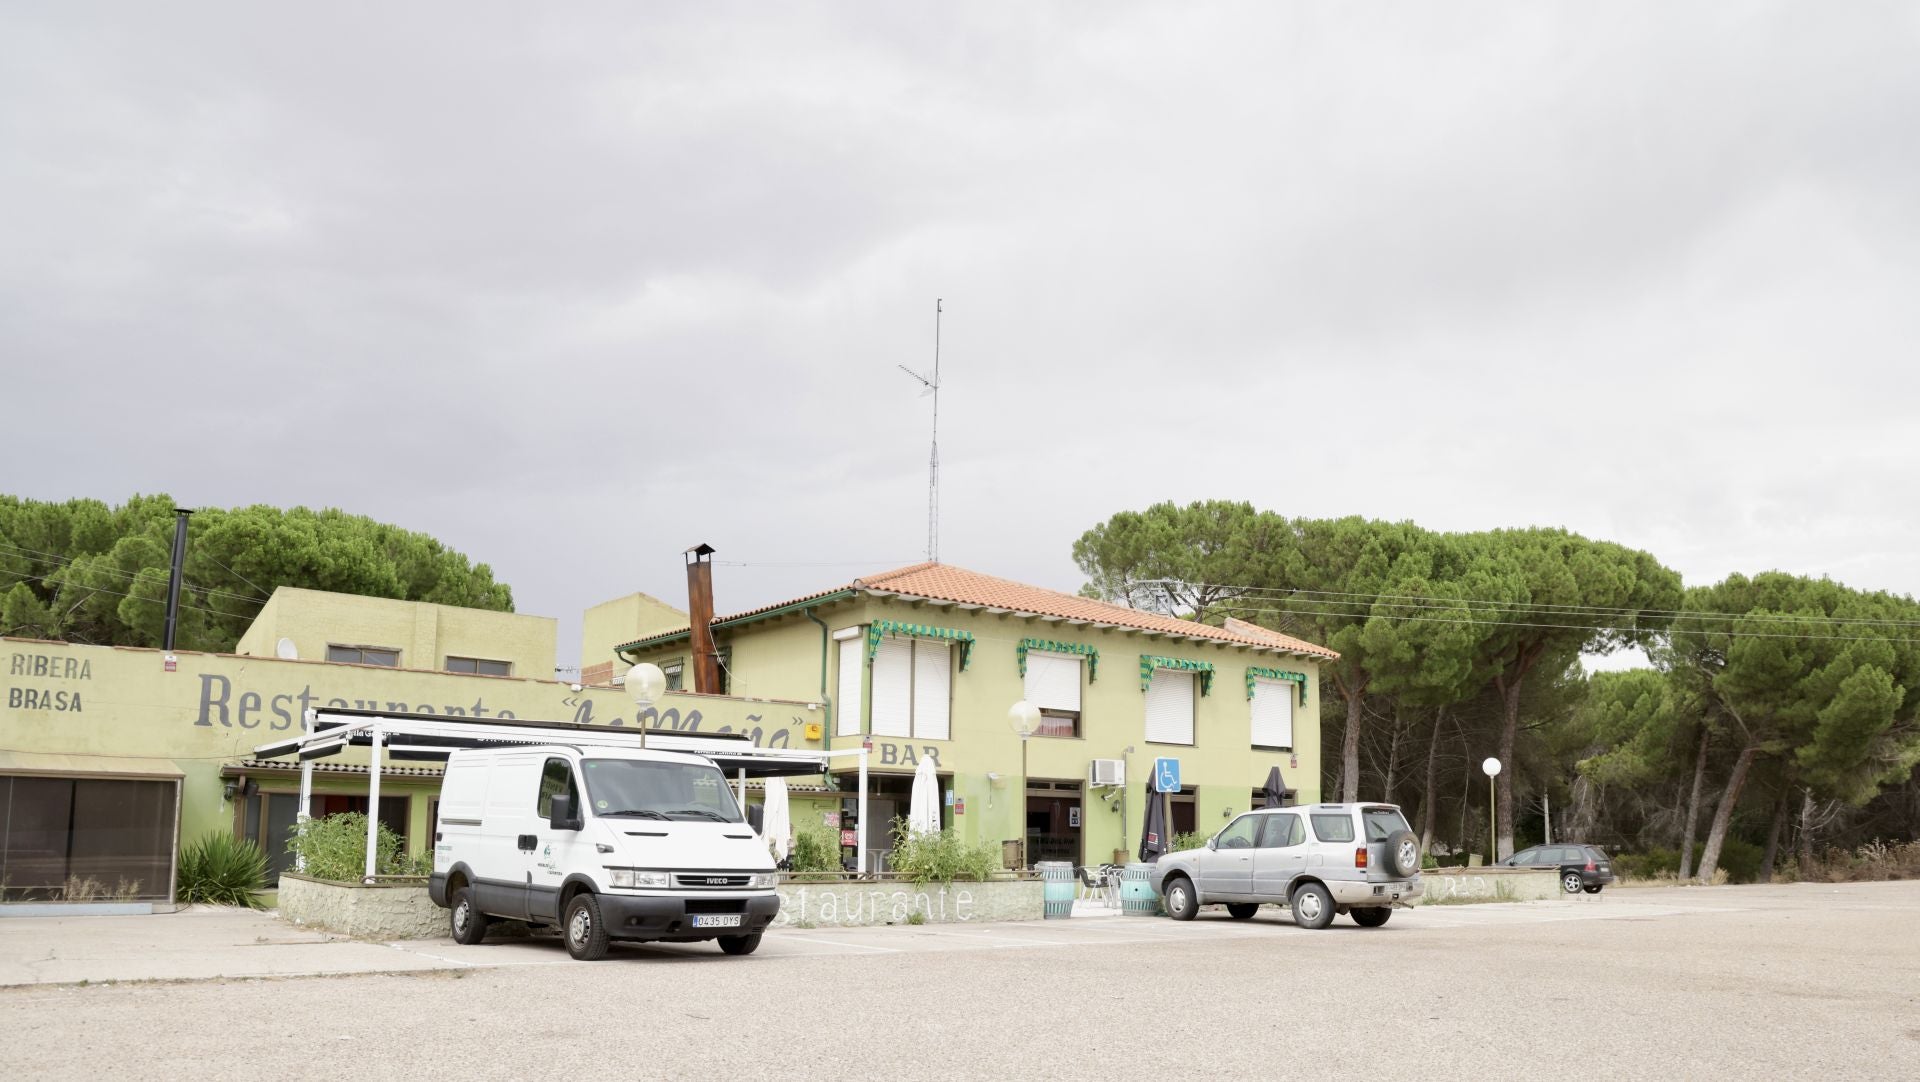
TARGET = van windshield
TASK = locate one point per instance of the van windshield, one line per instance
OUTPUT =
(657, 790)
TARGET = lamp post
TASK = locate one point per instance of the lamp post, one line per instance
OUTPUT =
(1492, 768)
(1024, 718)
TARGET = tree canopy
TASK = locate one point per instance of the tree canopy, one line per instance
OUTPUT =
(87, 572)
(1457, 645)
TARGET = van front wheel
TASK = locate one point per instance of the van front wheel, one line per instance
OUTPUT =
(740, 944)
(586, 934)
(468, 925)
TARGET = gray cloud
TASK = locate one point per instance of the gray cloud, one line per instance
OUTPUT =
(574, 290)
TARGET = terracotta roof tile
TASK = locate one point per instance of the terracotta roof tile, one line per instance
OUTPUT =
(945, 582)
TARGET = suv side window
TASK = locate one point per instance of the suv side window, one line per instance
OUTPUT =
(556, 778)
(1239, 834)
(1282, 831)
(1526, 856)
(1333, 827)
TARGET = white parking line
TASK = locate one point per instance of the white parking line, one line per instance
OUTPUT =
(786, 937)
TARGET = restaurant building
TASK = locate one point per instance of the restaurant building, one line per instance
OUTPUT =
(927, 660)
(112, 757)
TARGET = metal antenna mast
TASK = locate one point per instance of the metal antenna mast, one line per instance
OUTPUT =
(933, 459)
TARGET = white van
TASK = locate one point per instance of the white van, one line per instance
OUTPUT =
(606, 843)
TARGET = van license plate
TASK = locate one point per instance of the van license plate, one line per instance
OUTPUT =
(717, 920)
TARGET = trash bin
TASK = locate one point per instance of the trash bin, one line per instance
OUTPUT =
(1057, 891)
(1136, 891)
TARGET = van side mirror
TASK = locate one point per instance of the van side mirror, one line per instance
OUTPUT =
(560, 814)
(1213, 842)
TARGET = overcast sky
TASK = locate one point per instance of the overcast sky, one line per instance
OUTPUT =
(575, 289)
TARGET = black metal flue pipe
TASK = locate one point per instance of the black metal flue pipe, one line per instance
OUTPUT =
(173, 579)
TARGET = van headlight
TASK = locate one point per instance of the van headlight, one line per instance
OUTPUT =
(763, 880)
(635, 879)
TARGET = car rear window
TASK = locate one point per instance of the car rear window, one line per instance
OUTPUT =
(1333, 827)
(1381, 822)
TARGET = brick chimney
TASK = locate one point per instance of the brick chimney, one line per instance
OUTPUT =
(706, 660)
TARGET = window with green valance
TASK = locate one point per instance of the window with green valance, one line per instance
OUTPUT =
(1150, 662)
(1277, 674)
(1092, 654)
(880, 629)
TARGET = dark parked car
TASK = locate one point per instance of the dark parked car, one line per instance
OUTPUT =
(1581, 867)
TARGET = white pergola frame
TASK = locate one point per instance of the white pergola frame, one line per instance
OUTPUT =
(330, 731)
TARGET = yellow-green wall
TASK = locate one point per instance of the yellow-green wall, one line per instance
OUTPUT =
(623, 619)
(121, 703)
(781, 657)
(426, 635)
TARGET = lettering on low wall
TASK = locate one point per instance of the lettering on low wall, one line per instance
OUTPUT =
(860, 903)
(39, 696)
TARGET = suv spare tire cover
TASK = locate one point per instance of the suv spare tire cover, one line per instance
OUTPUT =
(1403, 853)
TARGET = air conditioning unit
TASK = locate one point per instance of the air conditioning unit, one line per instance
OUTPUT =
(1107, 772)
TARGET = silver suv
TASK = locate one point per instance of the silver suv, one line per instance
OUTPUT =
(1320, 860)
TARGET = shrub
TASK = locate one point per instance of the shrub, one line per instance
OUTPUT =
(1741, 859)
(336, 848)
(941, 857)
(221, 869)
(1192, 839)
(1651, 864)
(814, 851)
(1876, 860)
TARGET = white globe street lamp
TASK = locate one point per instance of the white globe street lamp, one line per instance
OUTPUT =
(1024, 719)
(646, 683)
(1492, 768)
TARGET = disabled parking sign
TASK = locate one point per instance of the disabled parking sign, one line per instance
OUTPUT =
(1166, 775)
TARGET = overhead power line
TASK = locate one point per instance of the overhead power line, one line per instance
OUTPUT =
(1419, 601)
(35, 556)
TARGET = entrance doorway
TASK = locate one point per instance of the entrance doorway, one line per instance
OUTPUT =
(1054, 817)
(270, 819)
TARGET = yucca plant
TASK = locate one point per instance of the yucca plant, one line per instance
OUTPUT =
(221, 869)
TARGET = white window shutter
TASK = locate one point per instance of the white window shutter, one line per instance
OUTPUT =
(846, 705)
(932, 689)
(1170, 707)
(1053, 681)
(893, 688)
(1272, 713)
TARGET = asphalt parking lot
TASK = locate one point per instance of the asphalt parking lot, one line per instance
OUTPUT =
(1799, 981)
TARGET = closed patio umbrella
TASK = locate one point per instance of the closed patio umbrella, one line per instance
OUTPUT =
(923, 809)
(1274, 793)
(776, 819)
(1153, 839)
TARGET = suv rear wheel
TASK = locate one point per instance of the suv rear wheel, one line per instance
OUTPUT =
(1372, 916)
(1312, 906)
(1181, 904)
(1570, 882)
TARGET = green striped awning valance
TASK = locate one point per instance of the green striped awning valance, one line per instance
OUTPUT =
(1150, 662)
(1277, 674)
(879, 629)
(1092, 654)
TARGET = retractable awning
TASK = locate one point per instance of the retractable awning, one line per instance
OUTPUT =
(433, 737)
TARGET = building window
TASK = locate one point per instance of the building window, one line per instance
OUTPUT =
(846, 705)
(479, 666)
(1170, 707)
(364, 655)
(676, 671)
(913, 688)
(1272, 710)
(86, 839)
(1053, 685)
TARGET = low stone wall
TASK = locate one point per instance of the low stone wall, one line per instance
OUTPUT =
(858, 904)
(381, 911)
(1450, 886)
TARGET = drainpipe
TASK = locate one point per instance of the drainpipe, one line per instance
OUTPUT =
(826, 727)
